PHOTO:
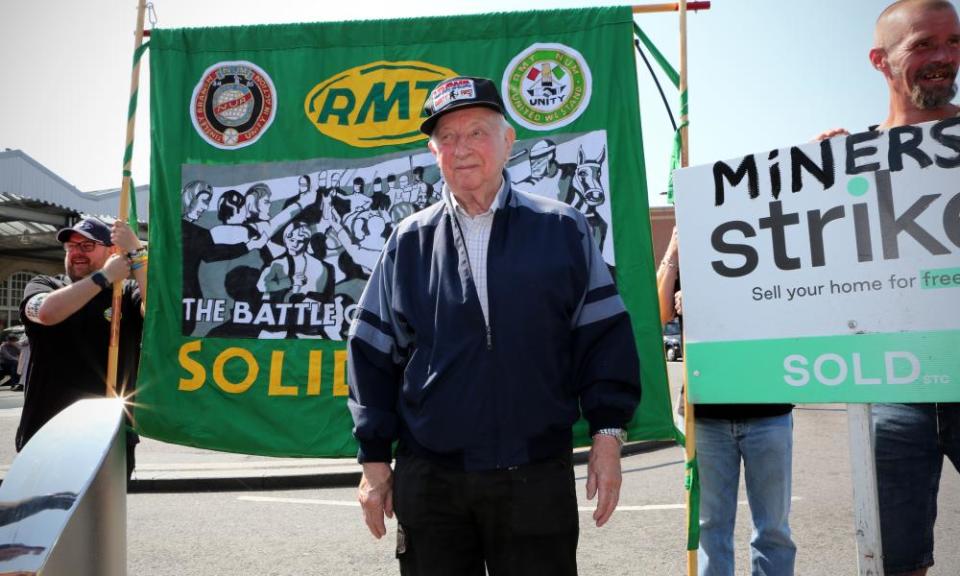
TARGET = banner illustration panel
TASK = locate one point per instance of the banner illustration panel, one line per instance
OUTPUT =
(288, 257)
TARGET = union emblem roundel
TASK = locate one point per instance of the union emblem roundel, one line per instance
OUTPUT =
(233, 104)
(547, 86)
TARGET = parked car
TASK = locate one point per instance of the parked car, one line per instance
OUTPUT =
(673, 340)
(17, 330)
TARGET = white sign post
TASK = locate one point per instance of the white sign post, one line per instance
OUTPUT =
(863, 470)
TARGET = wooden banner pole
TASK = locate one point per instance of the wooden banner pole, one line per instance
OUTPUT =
(690, 448)
(114, 350)
(671, 7)
(684, 115)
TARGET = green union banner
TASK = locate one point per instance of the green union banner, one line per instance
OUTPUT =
(282, 158)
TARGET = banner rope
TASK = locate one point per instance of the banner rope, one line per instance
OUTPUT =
(113, 351)
(675, 154)
(692, 484)
(656, 81)
(675, 79)
(669, 70)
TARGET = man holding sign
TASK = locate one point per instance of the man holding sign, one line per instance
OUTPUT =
(917, 49)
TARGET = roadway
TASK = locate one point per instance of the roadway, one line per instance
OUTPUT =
(320, 531)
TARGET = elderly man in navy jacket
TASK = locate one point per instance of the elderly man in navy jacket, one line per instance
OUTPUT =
(488, 326)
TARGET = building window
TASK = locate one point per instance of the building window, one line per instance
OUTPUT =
(11, 293)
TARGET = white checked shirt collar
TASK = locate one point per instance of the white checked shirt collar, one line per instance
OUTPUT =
(476, 238)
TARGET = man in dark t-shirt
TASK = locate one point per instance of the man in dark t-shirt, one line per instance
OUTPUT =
(67, 319)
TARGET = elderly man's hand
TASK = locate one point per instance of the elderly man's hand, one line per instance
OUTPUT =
(376, 496)
(603, 476)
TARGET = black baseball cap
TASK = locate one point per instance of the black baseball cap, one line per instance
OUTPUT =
(459, 92)
(90, 228)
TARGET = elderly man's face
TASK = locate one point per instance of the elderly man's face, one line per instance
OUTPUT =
(922, 61)
(471, 147)
(80, 263)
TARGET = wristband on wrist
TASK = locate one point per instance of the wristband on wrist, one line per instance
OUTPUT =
(140, 258)
(100, 279)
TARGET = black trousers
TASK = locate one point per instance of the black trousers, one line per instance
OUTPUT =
(521, 521)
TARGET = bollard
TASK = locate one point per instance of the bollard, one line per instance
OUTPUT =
(63, 503)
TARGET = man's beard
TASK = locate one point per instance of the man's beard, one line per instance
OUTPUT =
(77, 271)
(934, 97)
(928, 99)
(74, 275)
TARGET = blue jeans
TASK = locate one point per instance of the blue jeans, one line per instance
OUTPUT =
(911, 441)
(766, 447)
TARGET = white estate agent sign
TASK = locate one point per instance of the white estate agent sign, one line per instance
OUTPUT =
(826, 272)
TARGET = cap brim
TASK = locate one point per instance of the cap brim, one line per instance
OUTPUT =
(64, 235)
(430, 123)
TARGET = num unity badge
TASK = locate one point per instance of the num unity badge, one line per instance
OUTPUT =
(546, 86)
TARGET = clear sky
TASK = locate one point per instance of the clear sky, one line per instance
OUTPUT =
(763, 73)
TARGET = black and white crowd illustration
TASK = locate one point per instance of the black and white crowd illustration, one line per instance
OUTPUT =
(283, 250)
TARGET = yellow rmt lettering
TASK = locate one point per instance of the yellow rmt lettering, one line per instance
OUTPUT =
(236, 371)
(376, 104)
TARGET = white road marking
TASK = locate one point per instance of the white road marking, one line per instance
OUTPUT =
(662, 506)
(349, 504)
(638, 508)
(354, 504)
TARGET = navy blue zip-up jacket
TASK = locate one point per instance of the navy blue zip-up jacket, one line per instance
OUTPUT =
(426, 369)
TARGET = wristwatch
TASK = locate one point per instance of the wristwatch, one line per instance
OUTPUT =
(100, 279)
(619, 433)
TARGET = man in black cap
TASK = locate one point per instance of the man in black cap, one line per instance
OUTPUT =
(67, 319)
(488, 325)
